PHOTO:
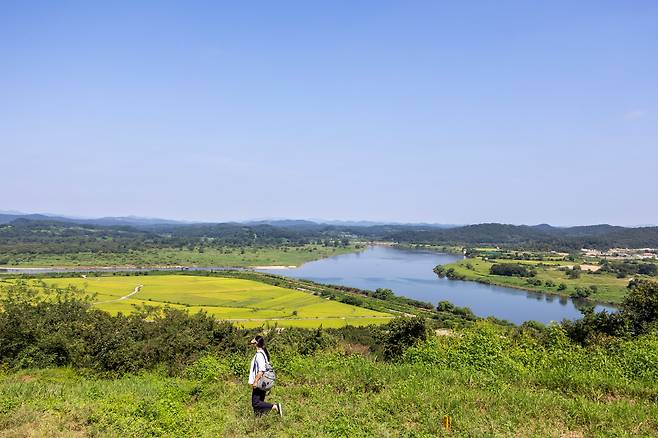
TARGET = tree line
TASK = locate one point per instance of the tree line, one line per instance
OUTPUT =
(27, 236)
(44, 326)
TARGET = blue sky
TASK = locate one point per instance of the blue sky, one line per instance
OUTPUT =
(449, 112)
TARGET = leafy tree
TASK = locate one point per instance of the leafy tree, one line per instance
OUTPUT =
(593, 326)
(445, 306)
(648, 269)
(383, 294)
(512, 270)
(574, 272)
(625, 268)
(351, 300)
(640, 305)
(400, 334)
(580, 293)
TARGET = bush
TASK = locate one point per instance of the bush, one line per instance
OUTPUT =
(512, 270)
(592, 326)
(448, 307)
(640, 306)
(301, 341)
(445, 306)
(351, 300)
(449, 273)
(50, 326)
(400, 334)
(481, 348)
(209, 368)
(625, 268)
(580, 293)
(383, 294)
(574, 272)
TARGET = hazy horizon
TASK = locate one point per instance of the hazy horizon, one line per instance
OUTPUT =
(503, 112)
(311, 219)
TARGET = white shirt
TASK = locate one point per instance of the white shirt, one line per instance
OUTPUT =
(257, 364)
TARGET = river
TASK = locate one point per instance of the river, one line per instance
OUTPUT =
(409, 273)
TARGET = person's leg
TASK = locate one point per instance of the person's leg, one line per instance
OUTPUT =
(258, 402)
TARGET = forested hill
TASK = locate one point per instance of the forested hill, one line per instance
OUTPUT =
(105, 221)
(56, 236)
(535, 237)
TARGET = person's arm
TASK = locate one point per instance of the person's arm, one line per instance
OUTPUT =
(257, 378)
(260, 363)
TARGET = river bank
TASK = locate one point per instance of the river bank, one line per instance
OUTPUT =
(408, 272)
(605, 288)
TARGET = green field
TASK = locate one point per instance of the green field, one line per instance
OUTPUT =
(246, 302)
(488, 383)
(251, 256)
(610, 288)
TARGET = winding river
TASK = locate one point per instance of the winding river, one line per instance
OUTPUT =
(409, 273)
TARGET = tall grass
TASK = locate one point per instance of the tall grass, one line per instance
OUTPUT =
(491, 382)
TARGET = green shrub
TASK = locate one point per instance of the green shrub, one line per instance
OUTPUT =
(400, 334)
(351, 300)
(445, 306)
(512, 270)
(580, 293)
(50, 326)
(209, 368)
(640, 306)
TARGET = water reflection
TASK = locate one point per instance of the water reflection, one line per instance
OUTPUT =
(409, 273)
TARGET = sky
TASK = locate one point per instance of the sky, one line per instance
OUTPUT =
(409, 111)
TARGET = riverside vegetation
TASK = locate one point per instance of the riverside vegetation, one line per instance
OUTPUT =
(70, 369)
(596, 280)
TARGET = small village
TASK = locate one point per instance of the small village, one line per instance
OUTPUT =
(623, 253)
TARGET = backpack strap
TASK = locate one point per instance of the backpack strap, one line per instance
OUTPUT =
(256, 362)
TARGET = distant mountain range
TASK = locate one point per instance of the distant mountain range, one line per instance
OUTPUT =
(41, 229)
(38, 233)
(8, 216)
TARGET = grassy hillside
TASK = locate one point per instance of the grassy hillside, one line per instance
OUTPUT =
(248, 303)
(489, 383)
(68, 369)
(539, 237)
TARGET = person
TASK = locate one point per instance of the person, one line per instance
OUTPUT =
(256, 370)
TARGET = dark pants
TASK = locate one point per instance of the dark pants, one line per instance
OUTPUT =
(258, 402)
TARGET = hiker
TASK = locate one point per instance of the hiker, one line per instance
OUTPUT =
(258, 364)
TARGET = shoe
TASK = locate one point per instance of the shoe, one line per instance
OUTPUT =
(279, 409)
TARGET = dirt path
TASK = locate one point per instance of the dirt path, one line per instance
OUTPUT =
(137, 289)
